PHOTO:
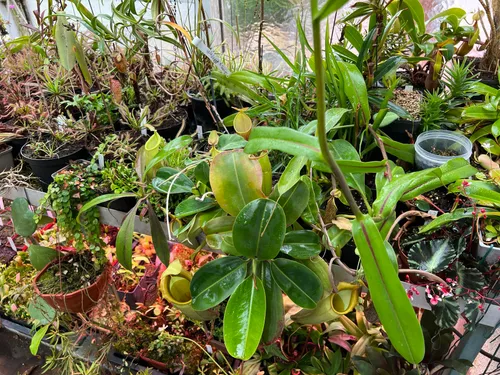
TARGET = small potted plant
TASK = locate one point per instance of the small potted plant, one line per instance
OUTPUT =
(69, 281)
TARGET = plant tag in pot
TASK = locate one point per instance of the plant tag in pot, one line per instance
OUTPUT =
(100, 161)
(409, 88)
(199, 131)
(198, 43)
(11, 243)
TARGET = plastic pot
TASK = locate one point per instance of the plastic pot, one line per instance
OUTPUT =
(491, 254)
(17, 144)
(398, 130)
(79, 301)
(201, 114)
(6, 159)
(430, 143)
(44, 168)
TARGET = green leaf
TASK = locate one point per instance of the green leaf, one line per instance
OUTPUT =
(293, 202)
(219, 225)
(244, 319)
(65, 43)
(291, 174)
(40, 256)
(469, 279)
(193, 205)
(40, 311)
(403, 151)
(447, 312)
(365, 48)
(484, 89)
(311, 212)
(298, 282)
(482, 191)
(338, 237)
(432, 256)
(355, 88)
(82, 61)
(388, 66)
(479, 112)
(171, 181)
(102, 199)
(389, 297)
(36, 340)
(275, 316)
(160, 240)
(216, 281)
(259, 229)
(354, 37)
(124, 239)
(343, 150)
(417, 12)
(236, 180)
(328, 8)
(286, 140)
(332, 118)
(458, 214)
(457, 12)
(202, 173)
(230, 142)
(301, 244)
(23, 218)
(169, 149)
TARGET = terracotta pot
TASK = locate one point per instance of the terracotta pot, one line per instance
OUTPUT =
(78, 301)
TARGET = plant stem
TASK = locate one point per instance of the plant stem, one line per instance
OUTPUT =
(427, 275)
(321, 108)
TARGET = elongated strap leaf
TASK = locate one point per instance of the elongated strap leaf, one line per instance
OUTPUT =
(389, 297)
(102, 199)
(275, 317)
(160, 240)
(478, 190)
(244, 318)
(293, 202)
(405, 152)
(124, 239)
(458, 214)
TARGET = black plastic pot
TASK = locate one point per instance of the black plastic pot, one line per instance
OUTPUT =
(399, 129)
(44, 168)
(202, 116)
(17, 144)
(6, 159)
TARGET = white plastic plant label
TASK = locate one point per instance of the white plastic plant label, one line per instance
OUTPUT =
(100, 161)
(199, 131)
(409, 88)
(12, 244)
(198, 43)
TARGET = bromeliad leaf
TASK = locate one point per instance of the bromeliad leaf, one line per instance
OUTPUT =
(301, 244)
(216, 281)
(432, 256)
(244, 318)
(298, 282)
(259, 229)
(236, 180)
(171, 181)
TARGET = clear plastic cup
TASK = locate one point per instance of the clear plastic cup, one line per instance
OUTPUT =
(431, 144)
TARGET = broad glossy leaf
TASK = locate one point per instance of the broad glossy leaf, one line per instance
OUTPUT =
(332, 118)
(293, 202)
(328, 8)
(311, 212)
(230, 142)
(160, 240)
(417, 12)
(194, 205)
(124, 239)
(40, 256)
(219, 225)
(244, 319)
(259, 229)
(432, 256)
(171, 181)
(236, 180)
(469, 279)
(291, 174)
(457, 12)
(389, 297)
(216, 281)
(343, 150)
(338, 237)
(65, 42)
(275, 317)
(202, 172)
(301, 244)
(353, 35)
(298, 282)
(23, 218)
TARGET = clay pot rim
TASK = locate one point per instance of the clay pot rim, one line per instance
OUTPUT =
(105, 273)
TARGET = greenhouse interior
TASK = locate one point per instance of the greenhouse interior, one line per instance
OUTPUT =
(250, 187)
